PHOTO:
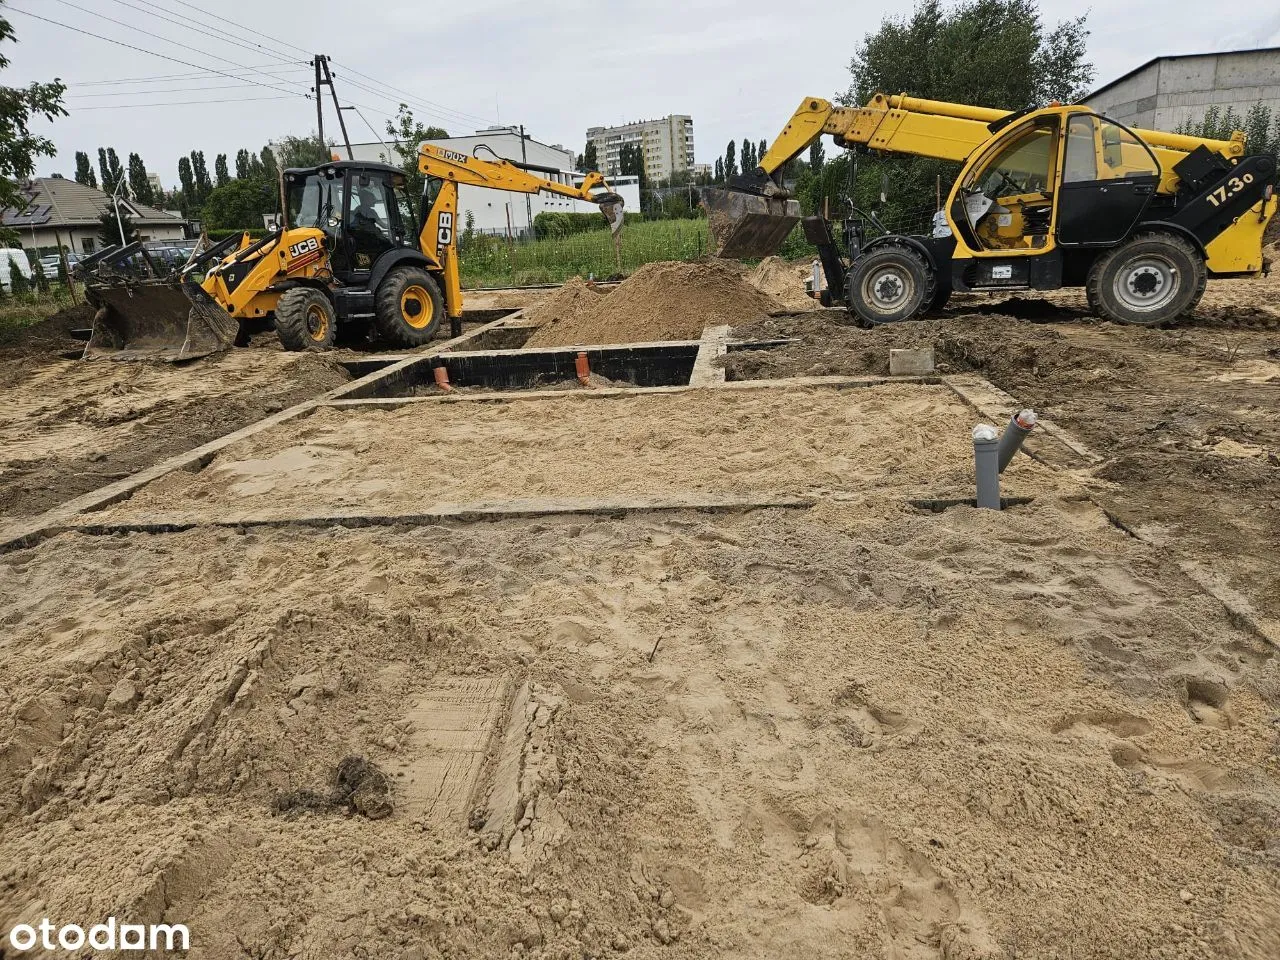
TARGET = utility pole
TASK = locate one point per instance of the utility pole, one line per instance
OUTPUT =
(319, 102)
(328, 78)
(528, 200)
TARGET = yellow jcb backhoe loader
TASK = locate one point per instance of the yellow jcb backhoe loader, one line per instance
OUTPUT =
(1047, 198)
(350, 249)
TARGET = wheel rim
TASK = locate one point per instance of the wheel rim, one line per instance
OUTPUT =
(317, 323)
(887, 289)
(416, 306)
(1147, 284)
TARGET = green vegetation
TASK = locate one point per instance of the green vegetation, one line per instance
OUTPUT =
(23, 310)
(489, 261)
(1261, 128)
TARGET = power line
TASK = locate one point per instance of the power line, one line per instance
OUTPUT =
(247, 30)
(154, 36)
(398, 100)
(151, 93)
(177, 103)
(254, 48)
(267, 69)
(414, 97)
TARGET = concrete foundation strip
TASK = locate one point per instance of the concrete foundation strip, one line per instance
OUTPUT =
(715, 344)
(444, 513)
(998, 406)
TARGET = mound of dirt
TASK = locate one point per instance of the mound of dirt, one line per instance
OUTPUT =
(568, 304)
(784, 282)
(49, 335)
(663, 301)
(358, 787)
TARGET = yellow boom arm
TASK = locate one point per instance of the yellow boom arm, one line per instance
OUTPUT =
(439, 237)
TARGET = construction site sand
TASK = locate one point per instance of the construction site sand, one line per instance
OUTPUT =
(860, 731)
(784, 282)
(69, 425)
(732, 442)
(660, 301)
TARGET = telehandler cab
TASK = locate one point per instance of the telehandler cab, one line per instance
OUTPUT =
(1047, 198)
(350, 249)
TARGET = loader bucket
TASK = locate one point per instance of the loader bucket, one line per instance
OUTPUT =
(611, 206)
(164, 320)
(746, 225)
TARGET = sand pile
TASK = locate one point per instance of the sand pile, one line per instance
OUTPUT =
(784, 282)
(568, 304)
(662, 301)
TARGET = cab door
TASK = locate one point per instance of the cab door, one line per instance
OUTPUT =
(1108, 178)
(371, 221)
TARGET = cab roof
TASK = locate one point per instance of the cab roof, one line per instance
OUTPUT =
(339, 166)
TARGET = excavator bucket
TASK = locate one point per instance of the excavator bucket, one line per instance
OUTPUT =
(143, 311)
(157, 319)
(746, 225)
(611, 207)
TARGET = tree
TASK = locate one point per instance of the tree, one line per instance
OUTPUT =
(406, 133)
(308, 151)
(730, 163)
(748, 157)
(17, 280)
(761, 151)
(817, 156)
(587, 162)
(188, 181)
(18, 146)
(719, 175)
(1261, 129)
(239, 204)
(242, 164)
(84, 170)
(109, 228)
(109, 167)
(931, 54)
(221, 176)
(139, 185)
(203, 185)
(265, 166)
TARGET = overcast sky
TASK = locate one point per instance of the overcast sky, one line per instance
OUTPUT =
(738, 68)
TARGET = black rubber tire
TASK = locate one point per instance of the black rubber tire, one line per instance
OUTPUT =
(1170, 260)
(393, 311)
(306, 320)
(939, 301)
(917, 284)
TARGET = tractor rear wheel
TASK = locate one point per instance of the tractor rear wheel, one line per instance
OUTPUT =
(305, 320)
(1153, 278)
(890, 284)
(408, 307)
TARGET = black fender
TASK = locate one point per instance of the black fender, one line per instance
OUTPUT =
(1165, 226)
(396, 258)
(926, 248)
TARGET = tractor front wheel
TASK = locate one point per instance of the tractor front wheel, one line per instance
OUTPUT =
(890, 284)
(305, 320)
(408, 307)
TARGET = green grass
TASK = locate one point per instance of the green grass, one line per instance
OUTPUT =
(493, 262)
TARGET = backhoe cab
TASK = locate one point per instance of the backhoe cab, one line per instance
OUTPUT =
(351, 250)
(1049, 198)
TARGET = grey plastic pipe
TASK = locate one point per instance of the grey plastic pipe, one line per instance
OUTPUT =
(1020, 425)
(986, 465)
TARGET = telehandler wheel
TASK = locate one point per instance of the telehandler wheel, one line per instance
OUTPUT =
(408, 307)
(890, 284)
(1153, 278)
(305, 320)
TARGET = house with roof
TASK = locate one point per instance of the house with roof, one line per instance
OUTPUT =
(64, 213)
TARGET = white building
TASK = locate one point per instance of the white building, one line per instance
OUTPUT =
(667, 145)
(497, 211)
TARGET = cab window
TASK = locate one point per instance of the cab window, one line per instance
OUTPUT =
(1100, 149)
(1023, 165)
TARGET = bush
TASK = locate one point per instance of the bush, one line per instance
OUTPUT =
(552, 226)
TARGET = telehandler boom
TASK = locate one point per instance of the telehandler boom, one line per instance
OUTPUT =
(349, 249)
(1047, 198)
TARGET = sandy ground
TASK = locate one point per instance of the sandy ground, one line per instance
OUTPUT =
(865, 732)
(1185, 417)
(734, 442)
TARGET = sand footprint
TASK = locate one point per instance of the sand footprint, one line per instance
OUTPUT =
(869, 725)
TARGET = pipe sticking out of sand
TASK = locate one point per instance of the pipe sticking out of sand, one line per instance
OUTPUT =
(583, 369)
(1020, 426)
(441, 374)
(986, 465)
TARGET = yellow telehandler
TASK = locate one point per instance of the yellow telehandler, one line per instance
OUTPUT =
(1046, 198)
(350, 249)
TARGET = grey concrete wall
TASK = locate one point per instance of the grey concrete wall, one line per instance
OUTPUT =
(1176, 89)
